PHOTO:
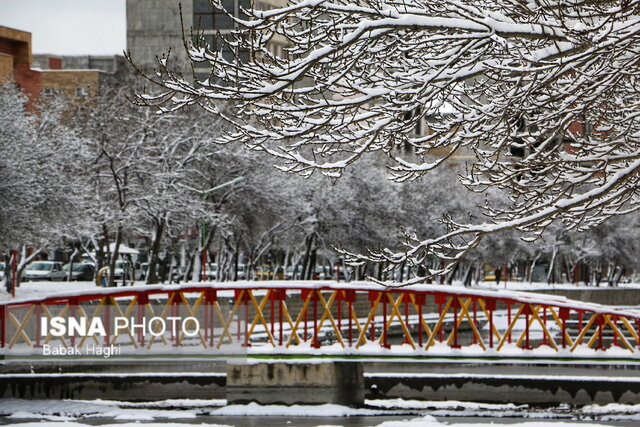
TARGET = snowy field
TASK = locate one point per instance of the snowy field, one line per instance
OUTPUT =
(387, 413)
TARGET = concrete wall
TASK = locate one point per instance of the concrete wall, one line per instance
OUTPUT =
(154, 26)
(341, 383)
(318, 384)
(504, 390)
(116, 387)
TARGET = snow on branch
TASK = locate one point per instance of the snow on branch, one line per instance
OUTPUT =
(541, 95)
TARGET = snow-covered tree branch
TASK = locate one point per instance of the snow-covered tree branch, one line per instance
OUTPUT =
(543, 95)
(140, 169)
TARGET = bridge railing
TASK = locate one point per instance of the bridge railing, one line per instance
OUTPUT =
(320, 317)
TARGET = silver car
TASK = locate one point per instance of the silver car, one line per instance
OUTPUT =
(44, 270)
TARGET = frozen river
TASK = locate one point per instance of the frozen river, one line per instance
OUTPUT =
(386, 413)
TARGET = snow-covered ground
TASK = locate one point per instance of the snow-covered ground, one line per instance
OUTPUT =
(29, 290)
(209, 412)
(541, 286)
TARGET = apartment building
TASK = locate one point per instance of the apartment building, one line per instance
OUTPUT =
(155, 27)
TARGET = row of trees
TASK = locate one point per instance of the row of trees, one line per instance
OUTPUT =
(85, 176)
(98, 172)
(542, 94)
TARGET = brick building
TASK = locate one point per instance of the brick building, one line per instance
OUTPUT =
(43, 76)
(15, 62)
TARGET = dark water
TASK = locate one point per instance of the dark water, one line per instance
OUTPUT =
(354, 421)
(327, 421)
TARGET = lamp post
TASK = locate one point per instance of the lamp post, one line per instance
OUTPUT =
(203, 194)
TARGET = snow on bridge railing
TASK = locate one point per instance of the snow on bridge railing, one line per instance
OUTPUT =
(358, 318)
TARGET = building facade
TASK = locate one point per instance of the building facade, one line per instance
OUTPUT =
(155, 28)
(45, 76)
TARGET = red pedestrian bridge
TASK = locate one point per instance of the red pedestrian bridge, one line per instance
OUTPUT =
(358, 320)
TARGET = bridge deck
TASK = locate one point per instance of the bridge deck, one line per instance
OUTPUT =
(320, 319)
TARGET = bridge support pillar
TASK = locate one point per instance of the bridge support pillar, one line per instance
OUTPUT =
(341, 383)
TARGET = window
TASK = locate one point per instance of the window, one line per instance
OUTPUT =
(202, 6)
(49, 92)
(82, 92)
(206, 17)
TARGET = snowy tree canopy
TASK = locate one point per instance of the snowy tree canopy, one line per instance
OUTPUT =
(38, 196)
(543, 94)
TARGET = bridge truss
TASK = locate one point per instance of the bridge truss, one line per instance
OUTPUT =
(330, 319)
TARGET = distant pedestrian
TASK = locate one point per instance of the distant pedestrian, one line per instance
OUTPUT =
(498, 274)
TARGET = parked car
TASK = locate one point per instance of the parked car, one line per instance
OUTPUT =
(81, 271)
(124, 267)
(212, 271)
(44, 270)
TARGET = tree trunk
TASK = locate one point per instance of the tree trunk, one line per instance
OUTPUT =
(478, 273)
(73, 256)
(312, 264)
(452, 275)
(250, 270)
(552, 264)
(104, 246)
(618, 275)
(380, 268)
(187, 271)
(24, 261)
(196, 265)
(468, 275)
(531, 267)
(152, 276)
(234, 265)
(287, 260)
(307, 255)
(598, 275)
(5, 280)
(610, 273)
(114, 256)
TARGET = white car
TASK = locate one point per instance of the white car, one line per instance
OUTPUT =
(44, 270)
